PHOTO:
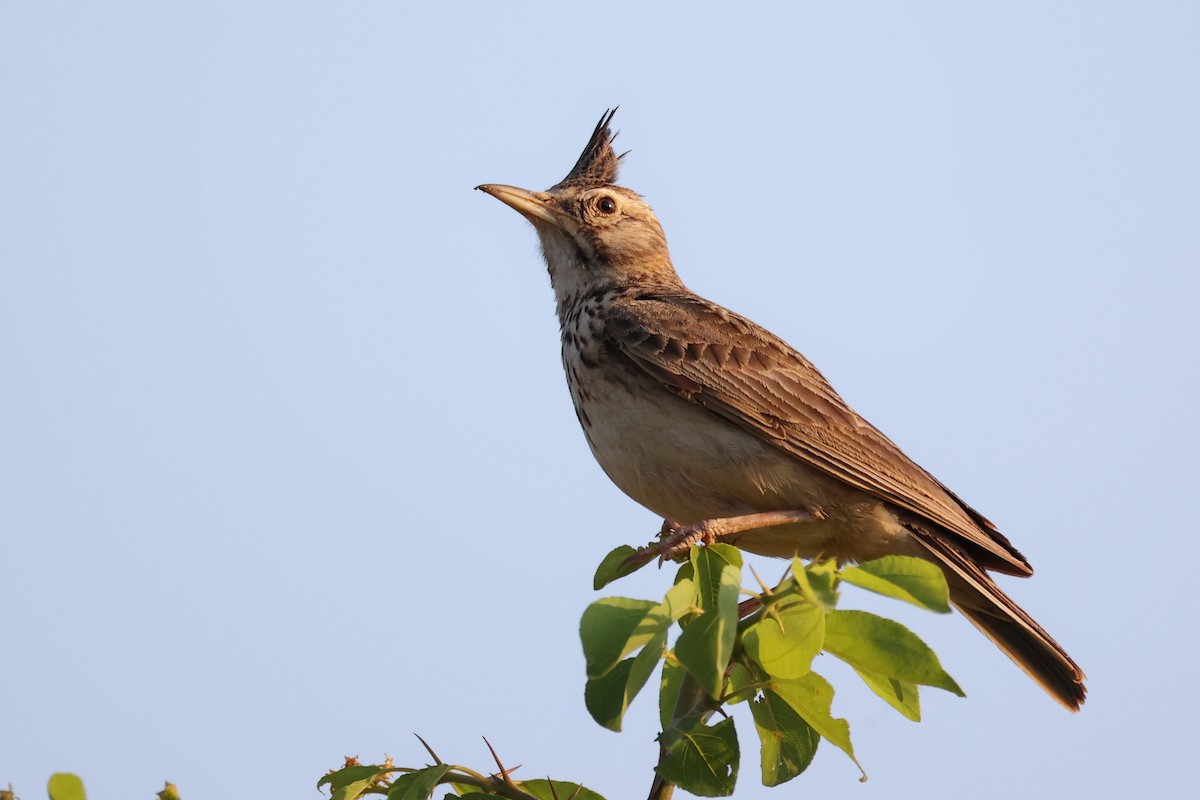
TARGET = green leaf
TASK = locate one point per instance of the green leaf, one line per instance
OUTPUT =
(679, 600)
(610, 629)
(418, 785)
(785, 643)
(348, 775)
(705, 647)
(65, 786)
(668, 692)
(817, 582)
(884, 648)
(706, 644)
(718, 574)
(608, 696)
(352, 791)
(913, 580)
(788, 742)
(740, 681)
(616, 565)
(702, 760)
(614, 627)
(812, 697)
(558, 790)
(901, 695)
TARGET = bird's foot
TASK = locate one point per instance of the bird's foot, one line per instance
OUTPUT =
(676, 539)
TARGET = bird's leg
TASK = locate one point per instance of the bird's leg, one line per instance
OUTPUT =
(676, 539)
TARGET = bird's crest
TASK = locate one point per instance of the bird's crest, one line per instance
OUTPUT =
(598, 164)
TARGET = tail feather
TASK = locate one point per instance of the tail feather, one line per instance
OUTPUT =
(976, 595)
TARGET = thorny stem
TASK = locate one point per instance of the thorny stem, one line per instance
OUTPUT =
(489, 785)
(752, 610)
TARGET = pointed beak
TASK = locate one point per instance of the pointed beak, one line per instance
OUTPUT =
(534, 206)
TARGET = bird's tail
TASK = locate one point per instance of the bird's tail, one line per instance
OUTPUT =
(976, 595)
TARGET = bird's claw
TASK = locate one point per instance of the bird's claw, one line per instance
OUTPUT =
(676, 539)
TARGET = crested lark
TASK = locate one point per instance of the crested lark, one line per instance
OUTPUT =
(728, 432)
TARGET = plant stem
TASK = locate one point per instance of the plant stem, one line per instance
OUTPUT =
(692, 701)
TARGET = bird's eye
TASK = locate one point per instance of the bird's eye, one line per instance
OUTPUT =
(607, 205)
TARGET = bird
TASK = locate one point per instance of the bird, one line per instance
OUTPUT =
(727, 432)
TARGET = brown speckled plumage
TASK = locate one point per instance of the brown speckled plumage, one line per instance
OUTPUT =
(697, 413)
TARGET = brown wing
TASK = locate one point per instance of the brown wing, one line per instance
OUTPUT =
(725, 363)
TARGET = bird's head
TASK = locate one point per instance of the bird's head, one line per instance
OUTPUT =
(594, 234)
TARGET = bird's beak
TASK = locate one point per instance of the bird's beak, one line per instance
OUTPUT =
(537, 207)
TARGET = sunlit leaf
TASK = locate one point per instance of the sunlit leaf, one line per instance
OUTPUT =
(901, 695)
(913, 580)
(817, 582)
(348, 775)
(786, 642)
(884, 648)
(353, 791)
(65, 786)
(812, 697)
(680, 599)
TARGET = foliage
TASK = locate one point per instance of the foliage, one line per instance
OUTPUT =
(65, 786)
(401, 783)
(758, 651)
(730, 646)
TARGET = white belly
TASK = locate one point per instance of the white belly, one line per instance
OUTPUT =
(685, 463)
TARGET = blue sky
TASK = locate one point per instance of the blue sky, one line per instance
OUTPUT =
(290, 470)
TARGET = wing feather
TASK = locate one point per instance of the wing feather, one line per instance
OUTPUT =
(755, 380)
